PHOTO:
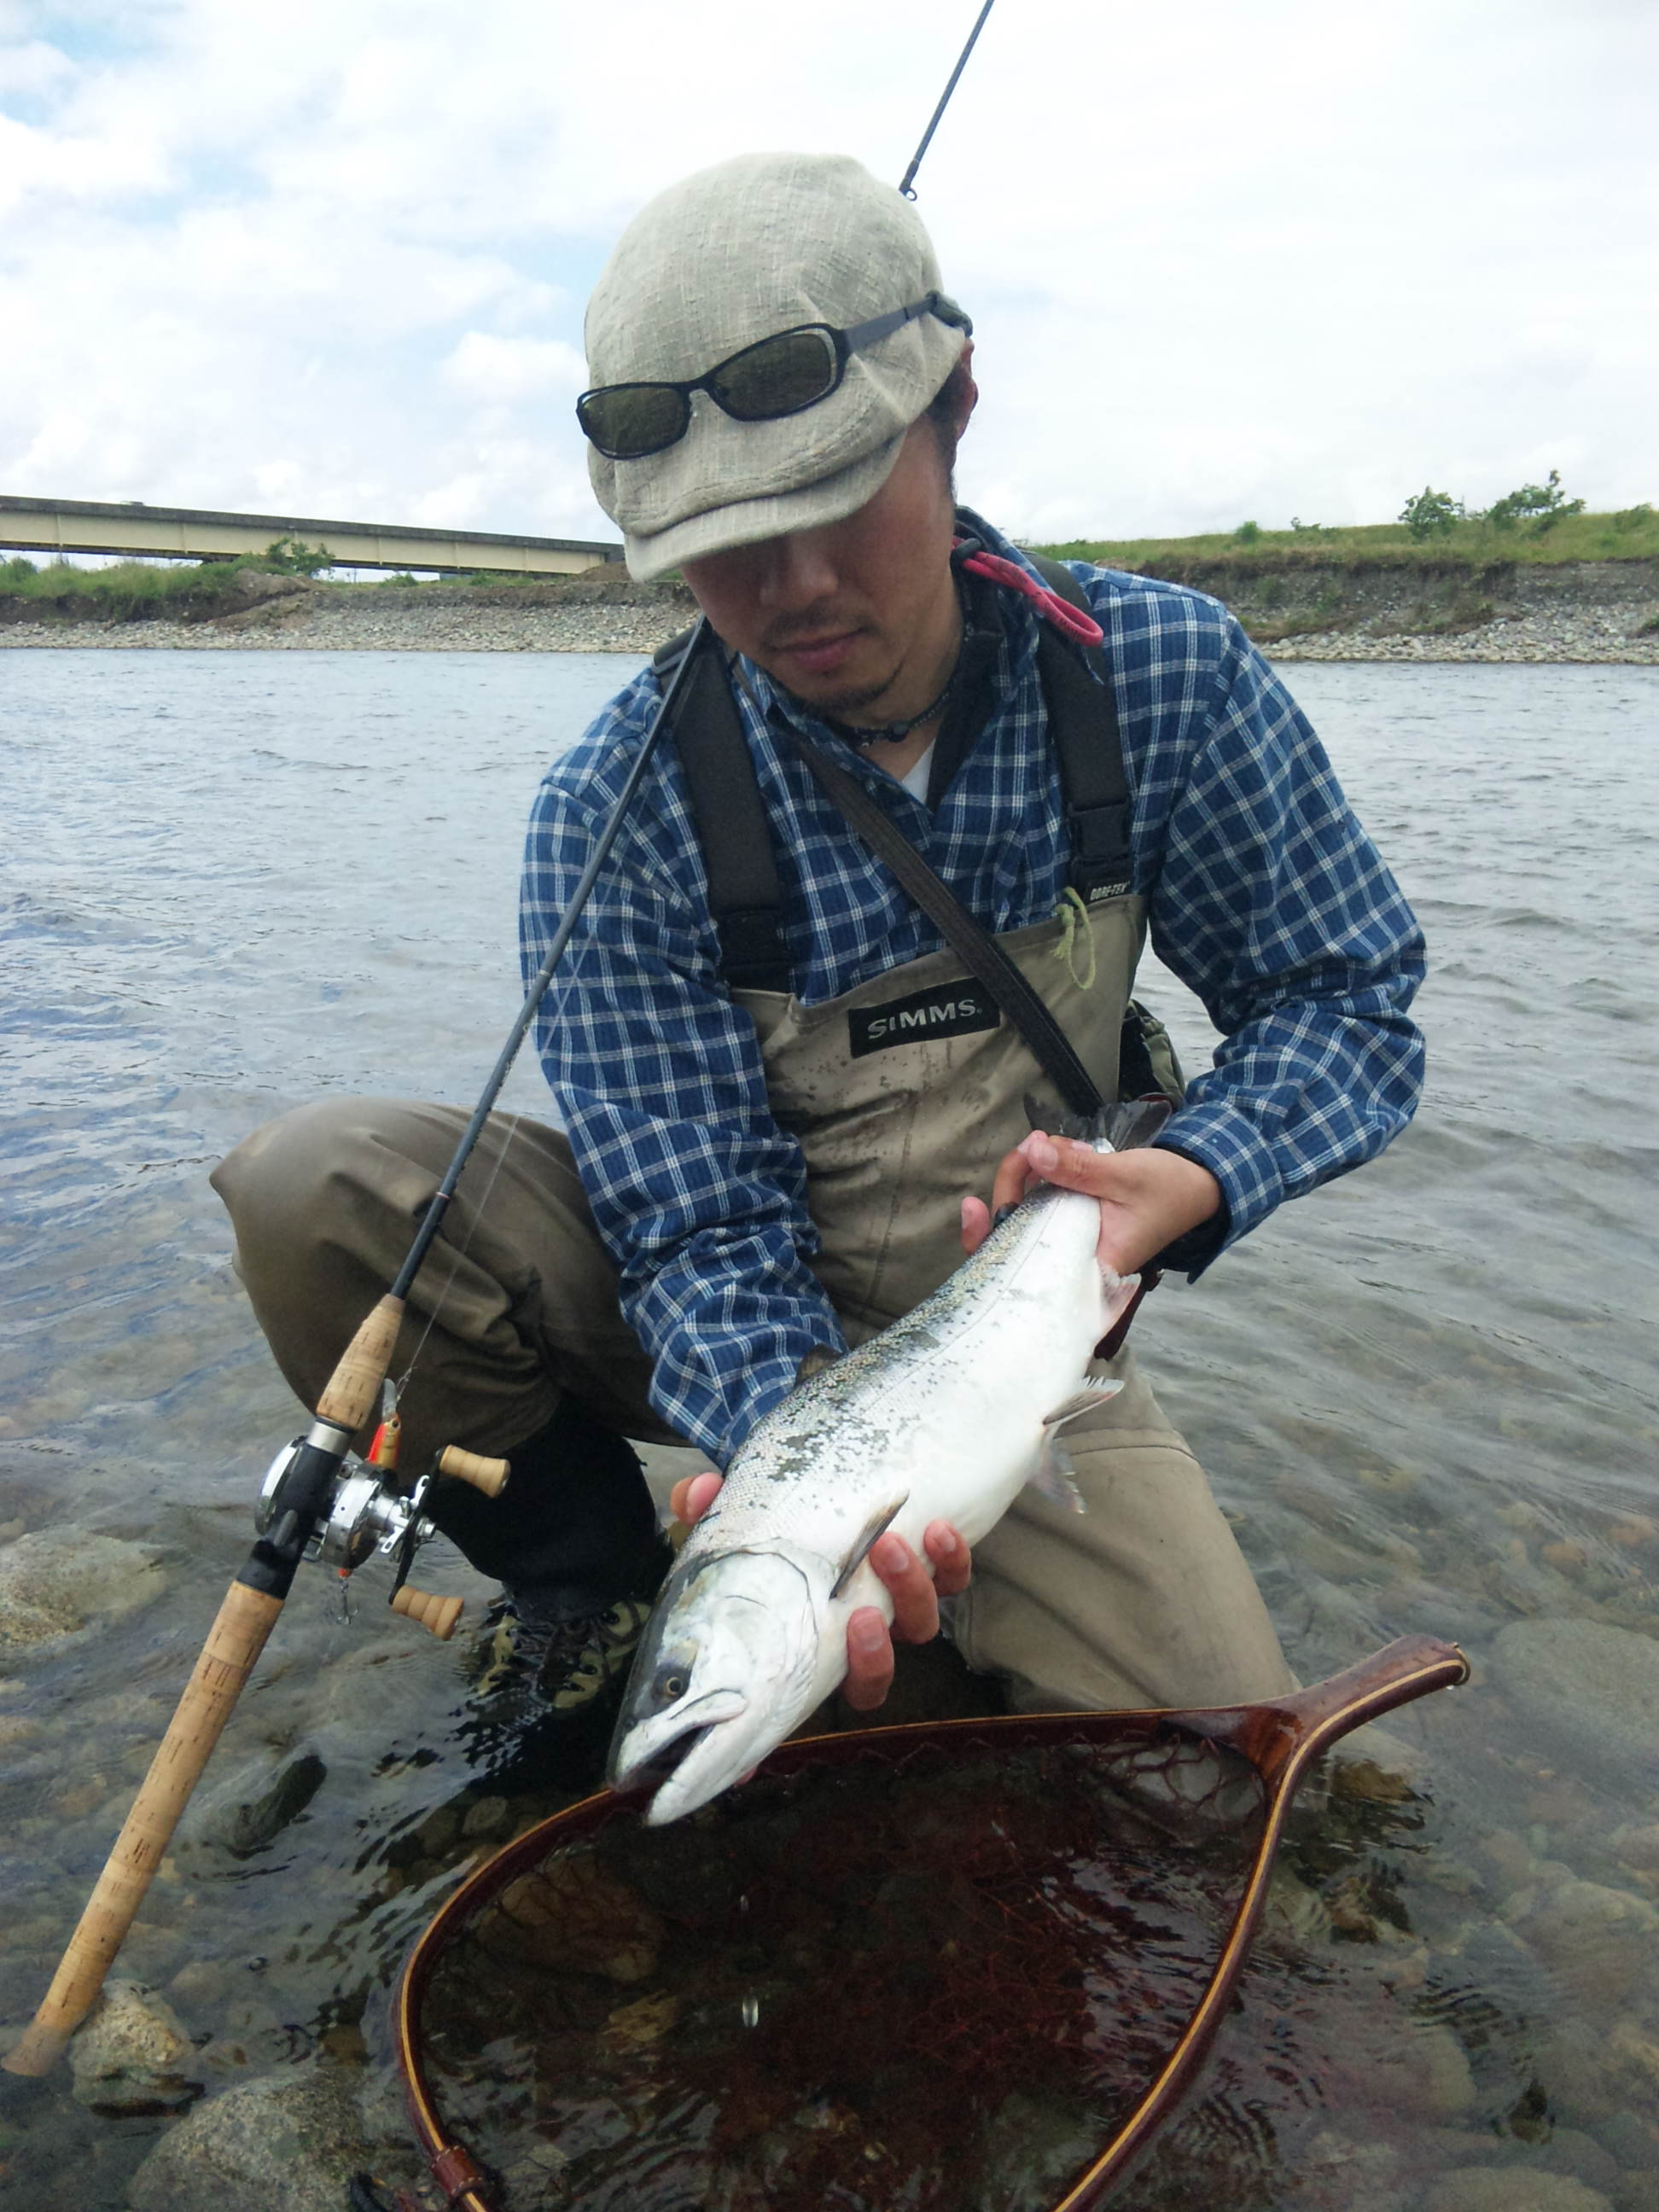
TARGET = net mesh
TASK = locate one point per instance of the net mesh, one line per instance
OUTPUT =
(939, 1978)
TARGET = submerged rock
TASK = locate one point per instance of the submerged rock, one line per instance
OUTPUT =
(57, 1580)
(1604, 1943)
(1513, 2189)
(1588, 1689)
(251, 1807)
(290, 2143)
(134, 2054)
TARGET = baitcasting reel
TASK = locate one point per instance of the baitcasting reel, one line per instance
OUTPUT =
(370, 1511)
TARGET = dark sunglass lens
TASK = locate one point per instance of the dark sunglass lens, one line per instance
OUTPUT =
(629, 420)
(777, 377)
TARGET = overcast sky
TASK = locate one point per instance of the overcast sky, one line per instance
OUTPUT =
(329, 256)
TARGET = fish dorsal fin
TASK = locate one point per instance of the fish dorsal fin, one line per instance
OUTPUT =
(877, 1525)
(816, 1361)
(1052, 1475)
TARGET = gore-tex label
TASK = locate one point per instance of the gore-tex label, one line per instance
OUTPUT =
(946, 1010)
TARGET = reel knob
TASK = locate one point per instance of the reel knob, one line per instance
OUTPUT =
(438, 1615)
(489, 1475)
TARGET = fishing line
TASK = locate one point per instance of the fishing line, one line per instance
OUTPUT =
(458, 1253)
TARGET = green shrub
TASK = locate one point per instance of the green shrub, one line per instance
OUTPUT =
(18, 569)
(1543, 505)
(1431, 513)
(292, 556)
(1248, 533)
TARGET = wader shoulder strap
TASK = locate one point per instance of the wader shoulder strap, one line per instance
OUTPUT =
(979, 952)
(745, 899)
(1083, 716)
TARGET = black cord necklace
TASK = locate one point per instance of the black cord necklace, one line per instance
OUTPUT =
(894, 733)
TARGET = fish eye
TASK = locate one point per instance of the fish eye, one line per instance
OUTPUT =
(671, 1683)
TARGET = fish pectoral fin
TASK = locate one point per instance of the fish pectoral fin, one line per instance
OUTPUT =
(1052, 1476)
(1091, 1395)
(878, 1523)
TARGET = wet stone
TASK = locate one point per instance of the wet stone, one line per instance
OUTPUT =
(1512, 2189)
(289, 2142)
(250, 1808)
(56, 1581)
(134, 2054)
(1588, 1689)
(1602, 1943)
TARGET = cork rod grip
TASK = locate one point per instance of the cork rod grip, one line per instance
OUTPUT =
(489, 1475)
(355, 1385)
(233, 1647)
(440, 1614)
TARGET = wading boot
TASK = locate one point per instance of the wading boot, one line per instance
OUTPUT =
(573, 1539)
(548, 1683)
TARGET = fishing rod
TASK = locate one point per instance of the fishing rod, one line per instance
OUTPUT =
(319, 1501)
(909, 177)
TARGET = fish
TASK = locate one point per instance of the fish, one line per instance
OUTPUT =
(945, 1415)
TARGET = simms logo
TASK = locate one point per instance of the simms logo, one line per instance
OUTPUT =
(947, 1010)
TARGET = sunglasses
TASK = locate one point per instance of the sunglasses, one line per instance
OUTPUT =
(781, 375)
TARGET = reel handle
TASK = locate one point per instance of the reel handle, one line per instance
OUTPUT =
(489, 1475)
(438, 1615)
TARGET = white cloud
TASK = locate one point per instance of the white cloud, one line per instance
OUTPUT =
(330, 257)
(506, 369)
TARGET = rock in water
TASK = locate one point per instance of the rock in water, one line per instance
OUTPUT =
(252, 1807)
(133, 2055)
(1509, 2188)
(1589, 1689)
(57, 1580)
(288, 2143)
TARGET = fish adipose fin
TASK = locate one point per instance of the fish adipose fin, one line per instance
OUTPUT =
(877, 1525)
(1052, 1475)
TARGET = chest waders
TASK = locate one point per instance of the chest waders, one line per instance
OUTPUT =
(906, 1091)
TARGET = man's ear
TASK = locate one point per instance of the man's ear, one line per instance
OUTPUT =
(972, 399)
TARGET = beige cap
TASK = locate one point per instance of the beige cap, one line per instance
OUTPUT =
(733, 254)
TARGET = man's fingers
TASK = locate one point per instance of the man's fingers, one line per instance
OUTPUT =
(1013, 1178)
(952, 1562)
(869, 1661)
(910, 1586)
(692, 1496)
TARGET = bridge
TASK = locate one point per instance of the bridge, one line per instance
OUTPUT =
(86, 525)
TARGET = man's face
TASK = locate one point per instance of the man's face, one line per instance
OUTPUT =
(858, 618)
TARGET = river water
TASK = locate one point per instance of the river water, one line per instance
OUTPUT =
(1426, 1396)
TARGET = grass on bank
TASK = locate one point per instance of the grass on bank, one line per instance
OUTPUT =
(1631, 534)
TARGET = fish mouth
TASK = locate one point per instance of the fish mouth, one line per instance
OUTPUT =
(648, 1754)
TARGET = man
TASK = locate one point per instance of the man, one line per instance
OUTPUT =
(771, 1157)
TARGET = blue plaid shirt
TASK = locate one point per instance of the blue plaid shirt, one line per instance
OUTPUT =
(1265, 896)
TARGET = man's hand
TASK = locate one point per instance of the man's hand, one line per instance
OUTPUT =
(1148, 1196)
(914, 1592)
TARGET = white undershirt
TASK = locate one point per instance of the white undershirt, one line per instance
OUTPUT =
(916, 781)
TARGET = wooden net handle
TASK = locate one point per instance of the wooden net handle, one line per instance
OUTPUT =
(489, 1475)
(228, 1658)
(439, 1615)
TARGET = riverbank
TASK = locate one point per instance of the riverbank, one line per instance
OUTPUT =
(1374, 610)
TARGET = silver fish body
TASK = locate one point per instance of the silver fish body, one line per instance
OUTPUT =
(945, 1415)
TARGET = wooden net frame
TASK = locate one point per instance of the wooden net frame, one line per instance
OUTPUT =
(1279, 1740)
